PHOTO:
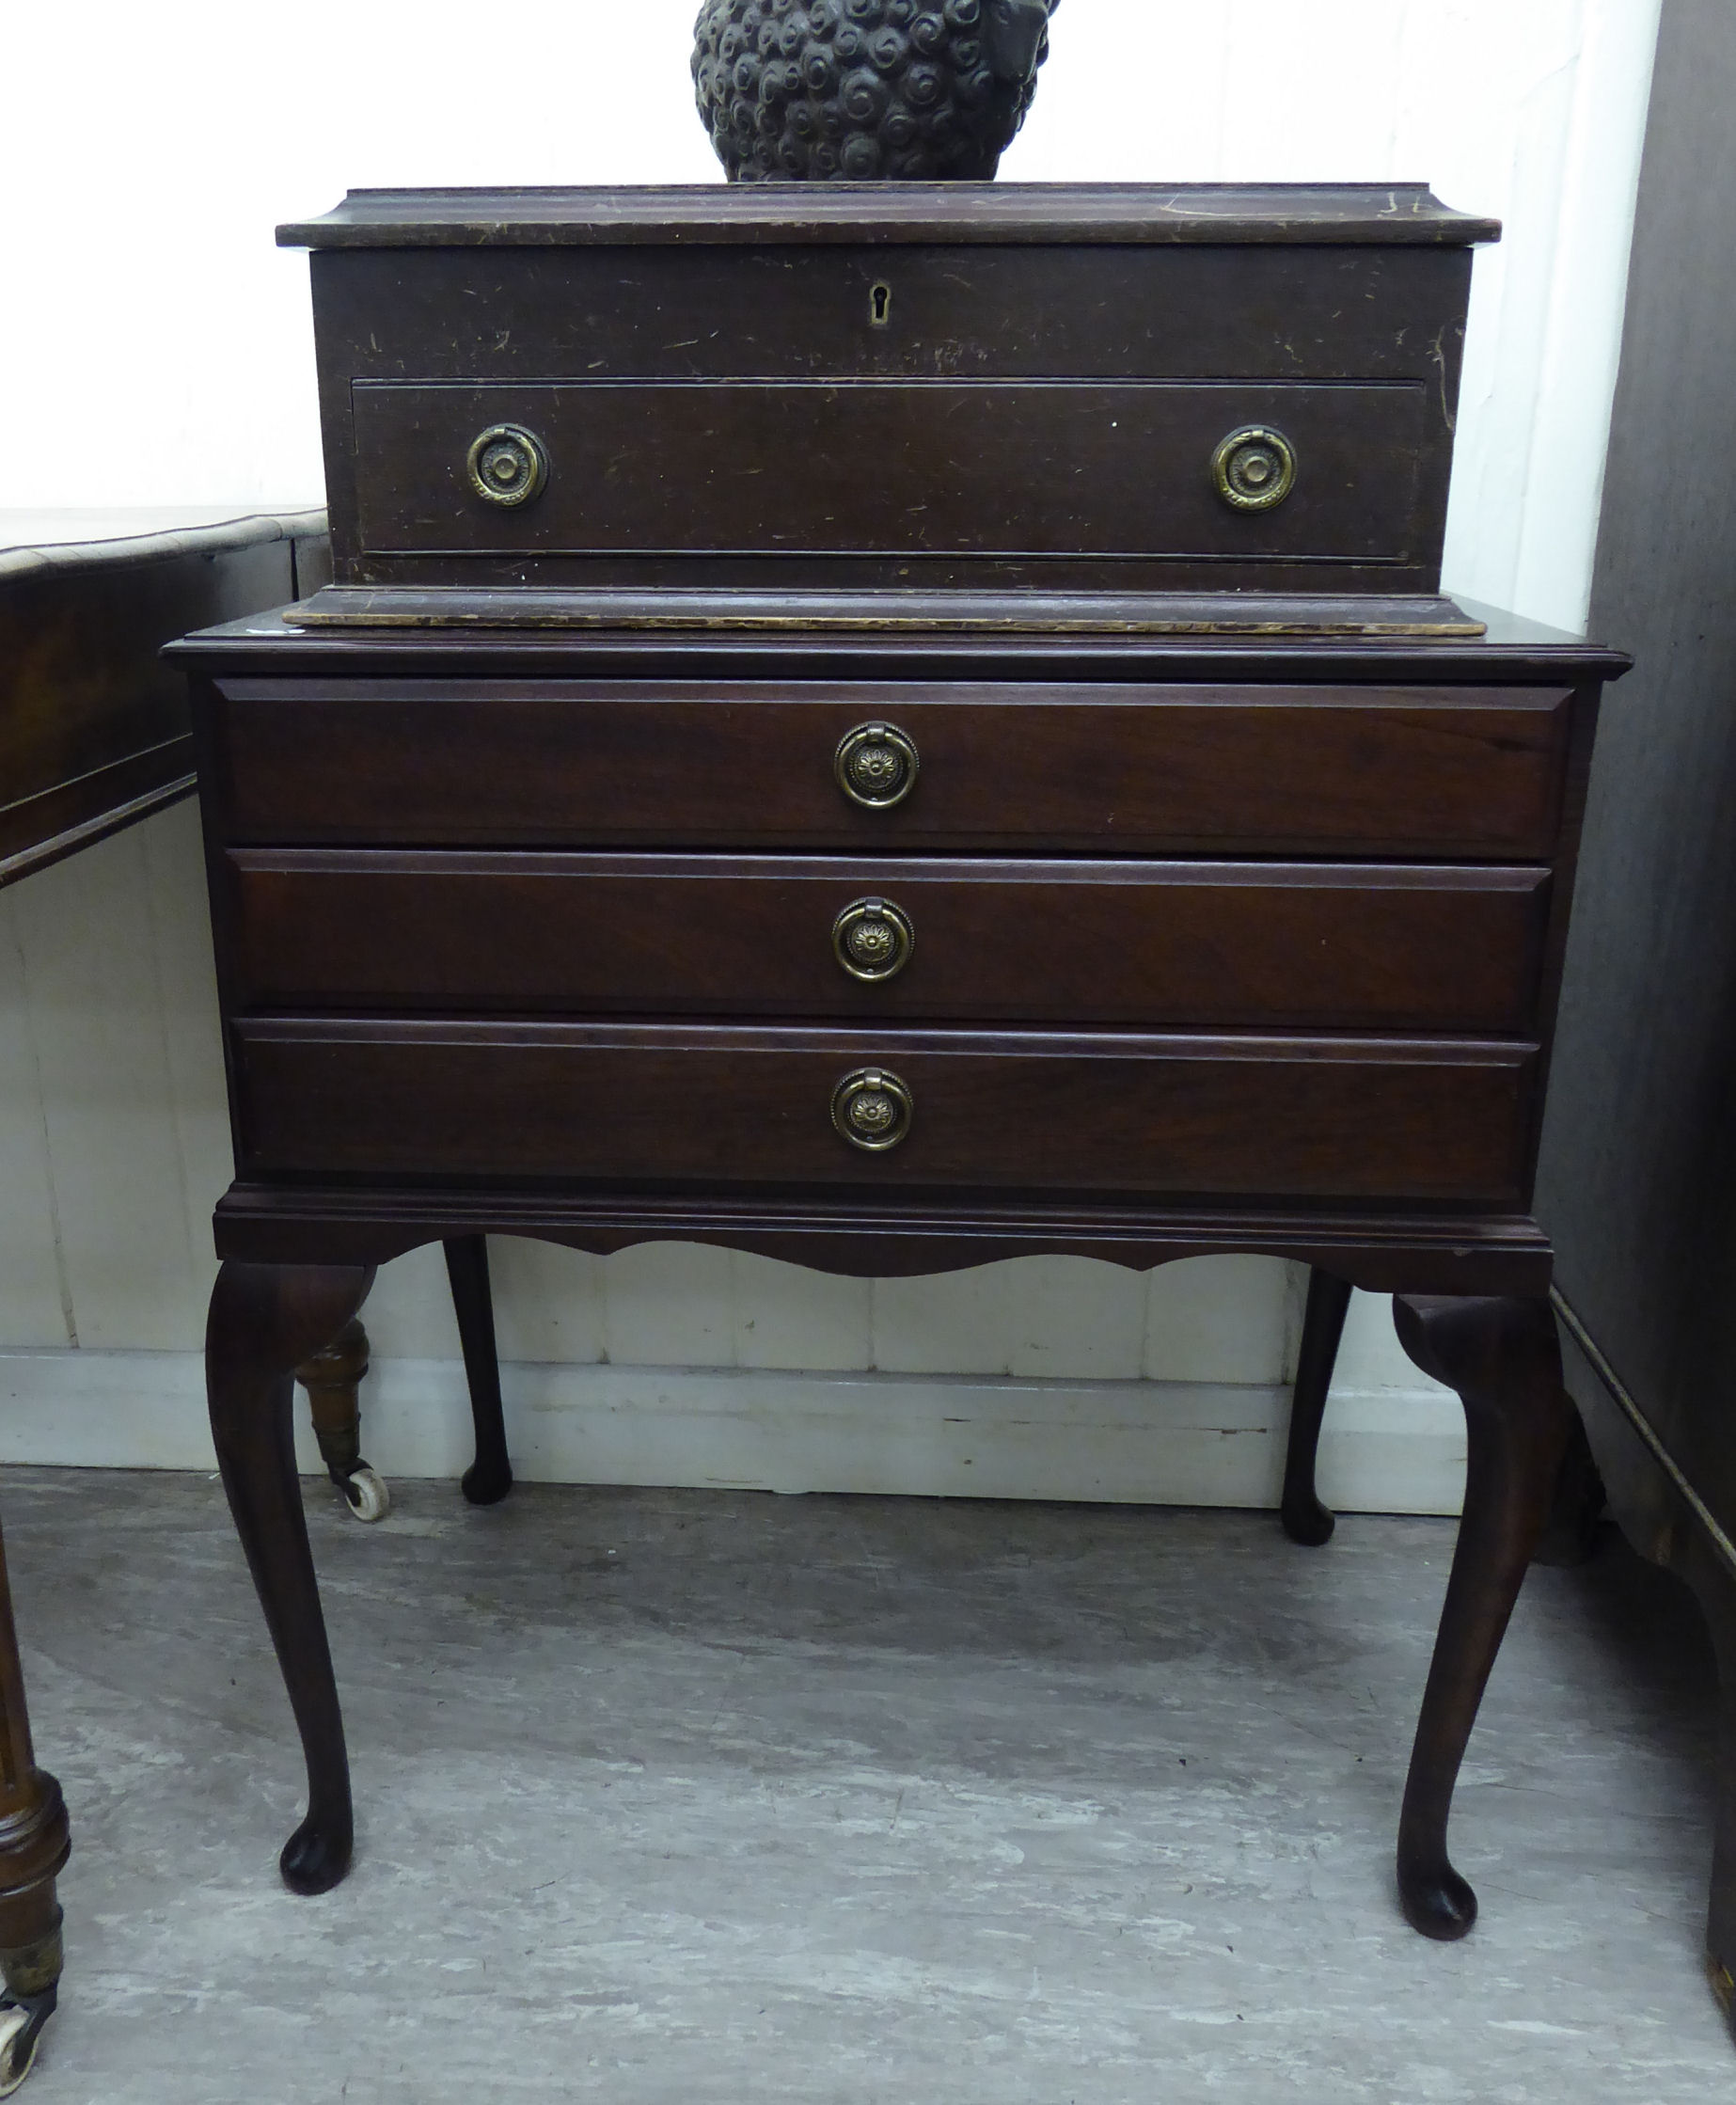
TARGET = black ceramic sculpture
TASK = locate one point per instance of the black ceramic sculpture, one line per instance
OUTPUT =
(821, 90)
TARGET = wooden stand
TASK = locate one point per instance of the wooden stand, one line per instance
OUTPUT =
(895, 777)
(1500, 1355)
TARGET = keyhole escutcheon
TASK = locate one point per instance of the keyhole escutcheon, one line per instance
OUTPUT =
(881, 306)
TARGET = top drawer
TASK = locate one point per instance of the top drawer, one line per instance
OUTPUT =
(1429, 772)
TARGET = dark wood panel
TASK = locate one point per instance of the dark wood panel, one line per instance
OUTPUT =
(1448, 1250)
(1329, 1118)
(1498, 650)
(853, 591)
(911, 467)
(1289, 945)
(1638, 1168)
(93, 724)
(1449, 772)
(960, 312)
(1388, 214)
(779, 606)
(1637, 1174)
(47, 828)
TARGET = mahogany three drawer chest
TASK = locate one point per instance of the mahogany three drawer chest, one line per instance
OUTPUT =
(893, 726)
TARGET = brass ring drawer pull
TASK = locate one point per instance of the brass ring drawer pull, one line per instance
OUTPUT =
(872, 1109)
(506, 465)
(875, 765)
(1254, 468)
(872, 939)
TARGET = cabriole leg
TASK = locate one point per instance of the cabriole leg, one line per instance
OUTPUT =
(32, 1847)
(1305, 1520)
(1503, 1358)
(265, 1320)
(489, 1478)
(333, 1378)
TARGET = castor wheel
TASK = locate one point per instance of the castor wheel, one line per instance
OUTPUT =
(332, 1378)
(20, 2029)
(365, 1492)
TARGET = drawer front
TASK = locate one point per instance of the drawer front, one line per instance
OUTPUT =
(1444, 772)
(1235, 1117)
(1310, 946)
(917, 468)
(1069, 310)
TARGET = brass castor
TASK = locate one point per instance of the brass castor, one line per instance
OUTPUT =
(20, 2029)
(32, 1974)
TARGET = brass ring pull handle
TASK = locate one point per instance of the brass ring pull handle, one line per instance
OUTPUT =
(872, 1109)
(875, 765)
(506, 465)
(872, 939)
(1254, 468)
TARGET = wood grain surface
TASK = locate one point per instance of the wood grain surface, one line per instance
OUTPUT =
(724, 1105)
(1357, 946)
(1472, 772)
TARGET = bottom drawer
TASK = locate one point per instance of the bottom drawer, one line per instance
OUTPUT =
(1369, 1119)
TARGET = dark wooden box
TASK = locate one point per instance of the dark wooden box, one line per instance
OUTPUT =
(1004, 404)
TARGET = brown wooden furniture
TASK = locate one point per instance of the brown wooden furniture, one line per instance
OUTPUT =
(94, 733)
(1636, 1179)
(93, 724)
(93, 737)
(914, 862)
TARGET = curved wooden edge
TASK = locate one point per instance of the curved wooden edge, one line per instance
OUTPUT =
(113, 539)
(263, 1224)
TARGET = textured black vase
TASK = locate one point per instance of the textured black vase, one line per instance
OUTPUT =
(821, 90)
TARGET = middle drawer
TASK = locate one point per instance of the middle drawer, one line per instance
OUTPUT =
(1354, 946)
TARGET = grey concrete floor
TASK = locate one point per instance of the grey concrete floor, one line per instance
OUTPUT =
(722, 1797)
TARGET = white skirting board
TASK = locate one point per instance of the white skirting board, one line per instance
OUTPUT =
(1140, 1443)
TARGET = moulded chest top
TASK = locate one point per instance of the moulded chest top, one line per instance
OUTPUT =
(1400, 214)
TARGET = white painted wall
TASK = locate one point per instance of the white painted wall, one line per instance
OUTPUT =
(159, 352)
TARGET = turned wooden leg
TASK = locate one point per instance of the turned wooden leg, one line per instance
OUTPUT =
(1305, 1520)
(265, 1320)
(1503, 1358)
(333, 1378)
(489, 1478)
(32, 1847)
